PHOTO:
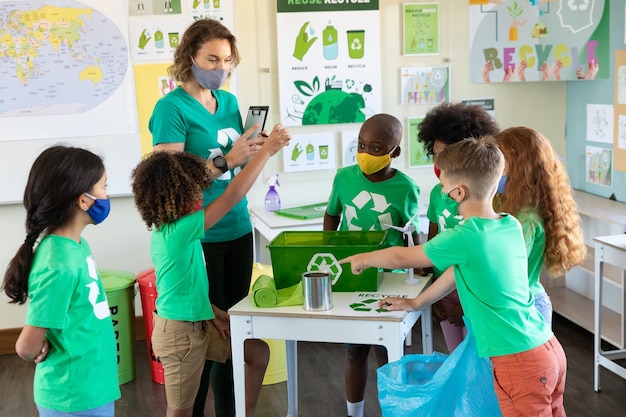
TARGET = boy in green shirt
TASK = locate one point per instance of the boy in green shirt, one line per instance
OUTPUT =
(445, 124)
(488, 256)
(370, 196)
(188, 330)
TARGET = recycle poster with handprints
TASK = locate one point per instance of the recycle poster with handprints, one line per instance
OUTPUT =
(329, 61)
(538, 40)
(310, 152)
(366, 304)
(424, 85)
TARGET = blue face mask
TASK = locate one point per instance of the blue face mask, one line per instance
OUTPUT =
(209, 79)
(99, 210)
(502, 185)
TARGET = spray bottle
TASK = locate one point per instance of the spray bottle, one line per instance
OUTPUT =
(272, 199)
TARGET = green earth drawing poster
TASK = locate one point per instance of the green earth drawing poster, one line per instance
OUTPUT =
(329, 61)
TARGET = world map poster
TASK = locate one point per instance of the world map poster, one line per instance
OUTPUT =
(66, 60)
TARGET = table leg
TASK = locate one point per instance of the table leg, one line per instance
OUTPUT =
(597, 327)
(237, 338)
(395, 349)
(291, 348)
(427, 331)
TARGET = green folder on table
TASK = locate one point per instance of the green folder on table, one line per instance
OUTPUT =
(312, 211)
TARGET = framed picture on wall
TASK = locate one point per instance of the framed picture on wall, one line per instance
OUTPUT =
(417, 154)
(599, 164)
(420, 23)
(424, 85)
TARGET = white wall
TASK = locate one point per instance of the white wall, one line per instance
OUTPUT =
(122, 241)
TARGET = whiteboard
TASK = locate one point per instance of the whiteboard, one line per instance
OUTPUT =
(121, 153)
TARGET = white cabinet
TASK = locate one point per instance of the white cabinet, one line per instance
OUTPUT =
(572, 296)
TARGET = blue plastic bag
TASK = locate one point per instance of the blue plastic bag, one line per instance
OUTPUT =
(439, 385)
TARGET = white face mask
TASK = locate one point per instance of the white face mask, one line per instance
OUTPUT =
(448, 199)
(209, 79)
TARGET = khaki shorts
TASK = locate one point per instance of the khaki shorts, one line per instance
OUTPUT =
(182, 347)
(219, 348)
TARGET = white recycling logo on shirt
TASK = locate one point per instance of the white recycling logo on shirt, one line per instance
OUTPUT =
(351, 215)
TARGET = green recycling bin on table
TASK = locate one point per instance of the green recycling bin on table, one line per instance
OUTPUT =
(119, 287)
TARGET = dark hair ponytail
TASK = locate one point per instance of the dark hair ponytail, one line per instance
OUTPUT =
(57, 178)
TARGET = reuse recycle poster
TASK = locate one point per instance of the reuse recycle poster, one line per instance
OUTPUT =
(329, 61)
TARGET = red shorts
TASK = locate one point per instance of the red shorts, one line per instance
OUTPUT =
(531, 383)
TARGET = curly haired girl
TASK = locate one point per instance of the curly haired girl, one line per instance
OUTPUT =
(536, 190)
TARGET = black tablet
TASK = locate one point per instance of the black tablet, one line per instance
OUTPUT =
(256, 114)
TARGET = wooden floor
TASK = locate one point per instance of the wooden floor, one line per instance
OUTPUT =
(321, 388)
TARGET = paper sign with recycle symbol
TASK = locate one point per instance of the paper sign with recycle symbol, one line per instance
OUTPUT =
(325, 262)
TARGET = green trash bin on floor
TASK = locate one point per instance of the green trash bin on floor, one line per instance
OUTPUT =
(119, 287)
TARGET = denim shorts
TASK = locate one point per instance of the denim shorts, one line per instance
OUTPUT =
(544, 306)
(107, 410)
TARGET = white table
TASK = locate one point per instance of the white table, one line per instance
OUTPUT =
(338, 325)
(611, 250)
(269, 225)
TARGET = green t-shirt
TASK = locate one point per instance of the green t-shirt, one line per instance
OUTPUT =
(67, 297)
(442, 210)
(490, 270)
(181, 276)
(178, 117)
(535, 238)
(367, 205)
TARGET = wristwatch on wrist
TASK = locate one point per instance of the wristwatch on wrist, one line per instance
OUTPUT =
(220, 163)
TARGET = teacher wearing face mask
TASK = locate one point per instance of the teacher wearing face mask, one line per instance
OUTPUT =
(199, 118)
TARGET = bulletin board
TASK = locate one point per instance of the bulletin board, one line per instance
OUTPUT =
(619, 126)
(595, 162)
